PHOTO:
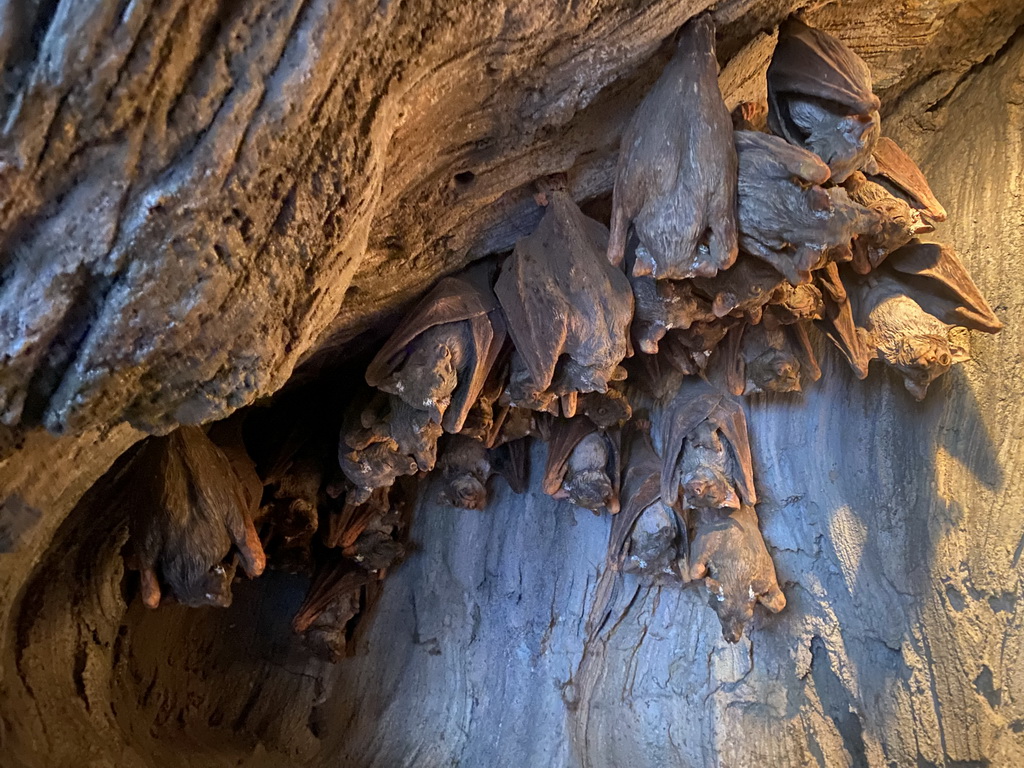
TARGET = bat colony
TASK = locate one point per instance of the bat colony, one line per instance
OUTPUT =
(626, 351)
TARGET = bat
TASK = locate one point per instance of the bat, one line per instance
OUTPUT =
(606, 409)
(582, 465)
(465, 470)
(675, 179)
(369, 456)
(820, 99)
(740, 291)
(942, 286)
(188, 509)
(729, 554)
(770, 360)
(647, 537)
(900, 174)
(837, 322)
(438, 358)
(705, 449)
(899, 222)
(568, 310)
(793, 304)
(785, 217)
(334, 599)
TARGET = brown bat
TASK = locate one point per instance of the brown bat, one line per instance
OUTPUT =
(647, 537)
(705, 450)
(688, 351)
(904, 335)
(582, 465)
(677, 168)
(334, 599)
(662, 305)
(465, 470)
(785, 217)
(188, 509)
(899, 222)
(837, 322)
(900, 174)
(791, 304)
(568, 309)
(770, 360)
(729, 553)
(742, 290)
(368, 454)
(606, 409)
(942, 286)
(820, 99)
(438, 358)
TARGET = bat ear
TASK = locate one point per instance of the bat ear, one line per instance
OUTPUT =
(150, 588)
(773, 599)
(699, 570)
(959, 353)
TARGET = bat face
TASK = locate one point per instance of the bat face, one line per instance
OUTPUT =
(730, 555)
(195, 578)
(465, 471)
(427, 379)
(920, 359)
(774, 370)
(844, 142)
(376, 466)
(706, 470)
(416, 434)
(653, 547)
(586, 480)
(607, 409)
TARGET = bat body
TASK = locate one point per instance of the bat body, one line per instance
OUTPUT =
(439, 357)
(741, 290)
(770, 359)
(583, 465)
(705, 449)
(785, 217)
(662, 305)
(900, 174)
(900, 223)
(677, 168)
(820, 99)
(568, 309)
(188, 509)
(729, 553)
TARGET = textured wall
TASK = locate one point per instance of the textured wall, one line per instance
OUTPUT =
(896, 526)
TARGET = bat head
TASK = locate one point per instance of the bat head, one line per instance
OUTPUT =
(606, 409)
(921, 359)
(465, 491)
(376, 466)
(775, 370)
(653, 545)
(733, 605)
(426, 380)
(706, 471)
(588, 488)
(195, 582)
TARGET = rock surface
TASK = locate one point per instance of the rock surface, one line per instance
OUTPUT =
(198, 197)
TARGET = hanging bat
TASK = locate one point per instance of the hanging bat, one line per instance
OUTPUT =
(792, 304)
(334, 599)
(465, 470)
(568, 309)
(511, 460)
(676, 173)
(647, 537)
(942, 286)
(705, 450)
(582, 465)
(742, 290)
(227, 436)
(906, 337)
(820, 99)
(368, 455)
(785, 217)
(901, 176)
(415, 432)
(688, 351)
(899, 222)
(438, 358)
(606, 409)
(662, 305)
(729, 553)
(770, 360)
(188, 509)
(837, 322)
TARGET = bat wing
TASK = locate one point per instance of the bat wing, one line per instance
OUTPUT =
(938, 281)
(728, 416)
(838, 324)
(896, 167)
(800, 343)
(810, 62)
(452, 300)
(641, 487)
(511, 461)
(565, 435)
(692, 405)
(331, 581)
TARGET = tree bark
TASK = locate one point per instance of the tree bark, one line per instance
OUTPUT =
(197, 197)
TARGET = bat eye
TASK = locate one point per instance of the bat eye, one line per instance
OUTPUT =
(945, 359)
(217, 570)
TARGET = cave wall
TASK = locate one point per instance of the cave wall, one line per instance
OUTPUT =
(895, 525)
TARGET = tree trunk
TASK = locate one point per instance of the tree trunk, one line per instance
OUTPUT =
(197, 198)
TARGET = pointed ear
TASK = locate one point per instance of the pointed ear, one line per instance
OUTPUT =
(773, 599)
(699, 570)
(959, 353)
